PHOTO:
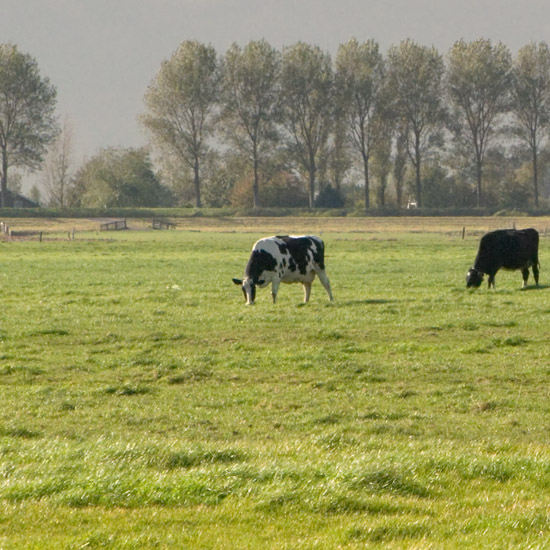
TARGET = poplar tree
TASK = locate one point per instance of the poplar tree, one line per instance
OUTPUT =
(180, 106)
(307, 102)
(415, 90)
(251, 100)
(359, 78)
(27, 114)
(531, 101)
(479, 84)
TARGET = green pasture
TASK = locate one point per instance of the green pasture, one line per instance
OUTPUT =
(143, 405)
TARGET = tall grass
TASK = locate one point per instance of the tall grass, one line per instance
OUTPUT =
(145, 406)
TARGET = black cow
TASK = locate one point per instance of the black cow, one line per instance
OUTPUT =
(284, 259)
(509, 249)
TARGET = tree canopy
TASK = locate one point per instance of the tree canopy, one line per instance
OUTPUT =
(466, 129)
(531, 101)
(479, 87)
(118, 178)
(27, 113)
(415, 86)
(251, 101)
(359, 78)
(180, 103)
(307, 97)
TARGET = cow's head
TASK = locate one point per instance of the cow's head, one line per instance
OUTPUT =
(248, 287)
(474, 278)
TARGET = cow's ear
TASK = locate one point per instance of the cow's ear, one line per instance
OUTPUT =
(262, 282)
(238, 282)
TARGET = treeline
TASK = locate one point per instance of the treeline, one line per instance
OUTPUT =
(261, 127)
(268, 127)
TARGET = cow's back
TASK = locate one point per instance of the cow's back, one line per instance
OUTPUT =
(508, 248)
(304, 250)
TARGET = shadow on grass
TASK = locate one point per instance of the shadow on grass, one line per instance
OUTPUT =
(367, 302)
(534, 287)
(347, 303)
(501, 290)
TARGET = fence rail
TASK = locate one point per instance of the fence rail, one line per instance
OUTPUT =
(117, 225)
(162, 224)
(8, 232)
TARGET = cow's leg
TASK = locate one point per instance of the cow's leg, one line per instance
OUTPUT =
(325, 282)
(536, 273)
(525, 274)
(492, 280)
(275, 289)
(307, 292)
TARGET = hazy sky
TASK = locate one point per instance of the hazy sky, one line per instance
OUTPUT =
(102, 54)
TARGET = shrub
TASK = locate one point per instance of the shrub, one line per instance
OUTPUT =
(329, 198)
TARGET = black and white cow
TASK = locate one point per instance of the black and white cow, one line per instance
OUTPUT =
(284, 259)
(509, 249)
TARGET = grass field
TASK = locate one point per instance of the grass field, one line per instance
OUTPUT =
(143, 405)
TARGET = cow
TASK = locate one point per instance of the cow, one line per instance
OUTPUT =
(287, 259)
(507, 248)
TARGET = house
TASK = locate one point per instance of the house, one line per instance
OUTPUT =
(16, 200)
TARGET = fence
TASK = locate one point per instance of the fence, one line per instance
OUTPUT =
(117, 225)
(5, 230)
(162, 224)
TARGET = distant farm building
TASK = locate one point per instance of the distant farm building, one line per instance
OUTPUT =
(16, 200)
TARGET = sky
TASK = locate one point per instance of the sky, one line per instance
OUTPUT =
(102, 54)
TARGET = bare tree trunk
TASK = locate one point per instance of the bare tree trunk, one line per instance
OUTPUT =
(256, 184)
(418, 178)
(197, 183)
(535, 177)
(418, 187)
(367, 182)
(382, 191)
(312, 171)
(399, 169)
(4, 180)
(399, 192)
(479, 170)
